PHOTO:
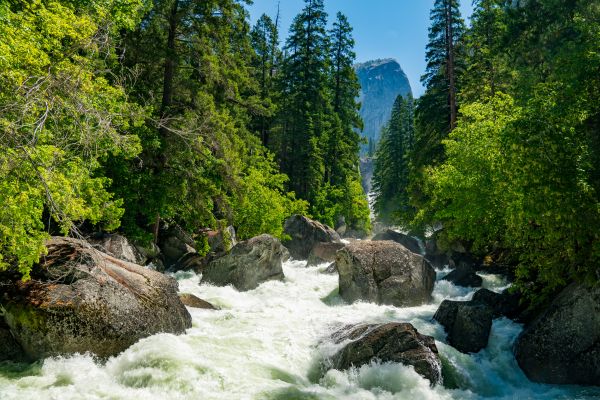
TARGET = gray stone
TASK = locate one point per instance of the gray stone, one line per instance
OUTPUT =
(384, 272)
(84, 300)
(505, 304)
(468, 324)
(119, 247)
(222, 240)
(464, 276)
(323, 252)
(407, 241)
(381, 81)
(249, 264)
(174, 243)
(562, 345)
(10, 350)
(195, 302)
(304, 234)
(392, 342)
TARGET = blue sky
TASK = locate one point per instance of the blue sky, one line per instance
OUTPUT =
(382, 28)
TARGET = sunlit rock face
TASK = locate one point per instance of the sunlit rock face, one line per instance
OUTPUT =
(381, 82)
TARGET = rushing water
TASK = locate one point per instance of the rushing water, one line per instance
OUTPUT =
(269, 344)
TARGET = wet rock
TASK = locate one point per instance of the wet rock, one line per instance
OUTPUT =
(249, 264)
(305, 233)
(464, 275)
(434, 254)
(82, 300)
(323, 252)
(119, 247)
(503, 304)
(384, 272)
(175, 243)
(190, 300)
(562, 345)
(468, 324)
(409, 242)
(392, 342)
(10, 350)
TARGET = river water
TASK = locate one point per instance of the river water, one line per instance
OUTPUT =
(269, 344)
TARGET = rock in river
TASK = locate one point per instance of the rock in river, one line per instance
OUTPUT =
(467, 323)
(305, 233)
(384, 272)
(407, 241)
(82, 300)
(392, 342)
(249, 264)
(562, 345)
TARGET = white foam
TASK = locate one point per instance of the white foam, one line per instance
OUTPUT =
(267, 344)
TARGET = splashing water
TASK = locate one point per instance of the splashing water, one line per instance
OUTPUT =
(269, 344)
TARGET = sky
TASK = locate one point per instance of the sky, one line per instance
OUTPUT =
(382, 28)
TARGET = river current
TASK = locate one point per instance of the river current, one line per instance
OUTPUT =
(270, 343)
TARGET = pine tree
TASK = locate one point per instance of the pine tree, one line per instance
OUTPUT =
(265, 41)
(391, 174)
(343, 147)
(437, 108)
(305, 116)
(487, 71)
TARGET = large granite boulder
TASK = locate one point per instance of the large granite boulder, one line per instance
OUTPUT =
(407, 241)
(323, 252)
(467, 323)
(384, 272)
(249, 264)
(119, 247)
(304, 234)
(82, 300)
(391, 342)
(562, 345)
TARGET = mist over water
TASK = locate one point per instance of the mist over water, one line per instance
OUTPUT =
(271, 343)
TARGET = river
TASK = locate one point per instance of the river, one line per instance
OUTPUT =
(269, 344)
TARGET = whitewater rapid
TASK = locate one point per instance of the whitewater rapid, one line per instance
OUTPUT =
(269, 343)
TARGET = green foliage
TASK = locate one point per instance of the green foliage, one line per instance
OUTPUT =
(59, 118)
(318, 118)
(265, 204)
(122, 114)
(391, 171)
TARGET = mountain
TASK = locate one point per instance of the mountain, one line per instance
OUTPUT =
(381, 82)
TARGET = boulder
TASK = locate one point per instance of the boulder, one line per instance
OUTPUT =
(119, 247)
(175, 243)
(562, 345)
(249, 263)
(10, 350)
(82, 300)
(409, 242)
(323, 252)
(384, 272)
(304, 234)
(221, 240)
(464, 275)
(468, 324)
(391, 342)
(434, 254)
(195, 302)
(505, 304)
